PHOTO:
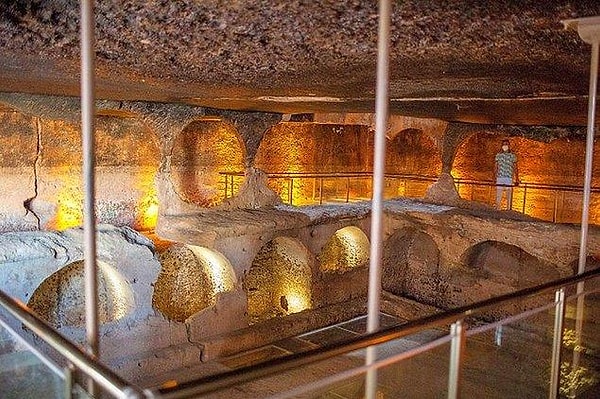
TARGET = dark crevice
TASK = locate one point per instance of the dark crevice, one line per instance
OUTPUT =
(36, 164)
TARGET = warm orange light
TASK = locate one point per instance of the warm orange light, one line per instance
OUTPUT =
(147, 207)
(147, 211)
(69, 212)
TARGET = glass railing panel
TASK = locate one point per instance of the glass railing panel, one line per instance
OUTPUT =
(23, 374)
(580, 355)
(510, 355)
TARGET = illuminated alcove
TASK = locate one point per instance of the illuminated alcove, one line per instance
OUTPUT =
(411, 151)
(200, 151)
(190, 279)
(347, 249)
(307, 147)
(279, 281)
(410, 264)
(508, 264)
(127, 160)
(60, 298)
(560, 161)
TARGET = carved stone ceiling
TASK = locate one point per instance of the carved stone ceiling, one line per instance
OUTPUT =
(475, 61)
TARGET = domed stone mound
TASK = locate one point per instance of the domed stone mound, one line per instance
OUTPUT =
(347, 249)
(280, 280)
(60, 298)
(190, 279)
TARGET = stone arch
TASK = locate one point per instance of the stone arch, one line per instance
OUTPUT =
(60, 299)
(190, 279)
(411, 265)
(411, 151)
(308, 147)
(279, 281)
(200, 151)
(347, 249)
(315, 148)
(507, 264)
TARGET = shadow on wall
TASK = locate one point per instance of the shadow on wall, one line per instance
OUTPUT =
(190, 280)
(199, 153)
(60, 298)
(279, 281)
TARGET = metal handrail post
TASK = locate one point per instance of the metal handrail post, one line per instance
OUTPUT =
(290, 190)
(524, 197)
(555, 207)
(559, 317)
(347, 189)
(226, 185)
(381, 123)
(89, 217)
(68, 373)
(321, 191)
(457, 346)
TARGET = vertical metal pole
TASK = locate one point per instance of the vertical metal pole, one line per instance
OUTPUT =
(226, 185)
(321, 191)
(457, 331)
(68, 372)
(347, 189)
(381, 121)
(589, 154)
(555, 208)
(559, 316)
(290, 190)
(524, 198)
(89, 216)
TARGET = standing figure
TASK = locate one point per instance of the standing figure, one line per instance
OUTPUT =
(507, 174)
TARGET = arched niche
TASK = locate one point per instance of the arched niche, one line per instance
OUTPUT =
(316, 148)
(411, 151)
(559, 161)
(346, 250)
(410, 265)
(60, 298)
(279, 281)
(190, 279)
(308, 147)
(200, 151)
(508, 264)
(127, 159)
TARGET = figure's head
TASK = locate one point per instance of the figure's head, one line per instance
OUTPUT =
(505, 145)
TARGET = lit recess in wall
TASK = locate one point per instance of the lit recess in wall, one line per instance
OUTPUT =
(69, 212)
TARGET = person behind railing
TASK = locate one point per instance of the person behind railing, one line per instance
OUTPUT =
(507, 174)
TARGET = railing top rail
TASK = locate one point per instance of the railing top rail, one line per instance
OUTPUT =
(91, 367)
(241, 375)
(325, 175)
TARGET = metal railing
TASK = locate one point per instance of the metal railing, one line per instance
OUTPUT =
(75, 358)
(545, 201)
(79, 360)
(458, 333)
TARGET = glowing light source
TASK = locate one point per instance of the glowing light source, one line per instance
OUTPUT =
(69, 212)
(297, 300)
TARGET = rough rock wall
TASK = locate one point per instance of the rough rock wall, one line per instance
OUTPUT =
(137, 144)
